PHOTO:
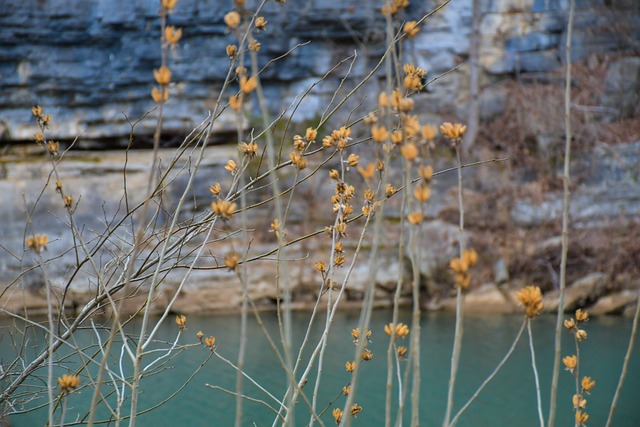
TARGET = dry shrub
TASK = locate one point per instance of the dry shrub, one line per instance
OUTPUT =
(531, 129)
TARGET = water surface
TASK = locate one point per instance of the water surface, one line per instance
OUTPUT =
(508, 401)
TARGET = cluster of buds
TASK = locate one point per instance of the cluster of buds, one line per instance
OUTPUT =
(249, 148)
(254, 45)
(355, 333)
(162, 75)
(414, 78)
(393, 7)
(68, 383)
(411, 29)
(396, 331)
(338, 413)
(231, 260)
(232, 20)
(209, 342)
(453, 131)
(43, 119)
(260, 23)
(573, 325)
(338, 138)
(531, 299)
(52, 147)
(38, 242)
(409, 134)
(170, 37)
(367, 171)
(401, 351)
(578, 400)
(223, 208)
(421, 193)
(277, 228)
(350, 367)
(571, 364)
(366, 353)
(461, 268)
(341, 206)
(396, 101)
(181, 321)
(299, 146)
(248, 84)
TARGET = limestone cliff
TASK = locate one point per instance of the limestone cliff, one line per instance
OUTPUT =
(90, 61)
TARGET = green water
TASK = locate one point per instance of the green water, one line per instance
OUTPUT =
(508, 401)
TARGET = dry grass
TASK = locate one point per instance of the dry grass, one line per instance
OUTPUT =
(531, 129)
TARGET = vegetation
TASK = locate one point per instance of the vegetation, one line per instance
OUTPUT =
(150, 241)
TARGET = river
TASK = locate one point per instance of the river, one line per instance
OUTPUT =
(509, 400)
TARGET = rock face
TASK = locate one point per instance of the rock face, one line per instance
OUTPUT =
(579, 294)
(90, 62)
(96, 179)
(610, 188)
(622, 89)
(614, 303)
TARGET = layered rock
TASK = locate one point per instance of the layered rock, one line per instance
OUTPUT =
(97, 182)
(90, 62)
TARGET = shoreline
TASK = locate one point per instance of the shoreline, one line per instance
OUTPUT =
(488, 299)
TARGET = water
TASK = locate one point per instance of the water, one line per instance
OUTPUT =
(508, 401)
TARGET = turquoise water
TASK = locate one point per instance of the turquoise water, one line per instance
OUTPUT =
(508, 401)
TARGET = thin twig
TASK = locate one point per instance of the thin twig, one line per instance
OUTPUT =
(535, 373)
(492, 375)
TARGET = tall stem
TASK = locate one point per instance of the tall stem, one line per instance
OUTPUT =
(243, 278)
(281, 258)
(414, 253)
(389, 88)
(565, 221)
(51, 325)
(457, 341)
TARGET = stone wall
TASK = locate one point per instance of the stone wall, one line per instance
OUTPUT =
(90, 62)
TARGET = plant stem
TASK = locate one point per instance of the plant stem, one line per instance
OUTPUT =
(625, 364)
(492, 375)
(535, 373)
(565, 222)
(457, 341)
(50, 346)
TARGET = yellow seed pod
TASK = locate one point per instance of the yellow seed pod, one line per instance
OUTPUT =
(162, 75)
(160, 95)
(415, 217)
(411, 28)
(172, 35)
(396, 136)
(247, 85)
(379, 133)
(232, 19)
(422, 193)
(409, 151)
